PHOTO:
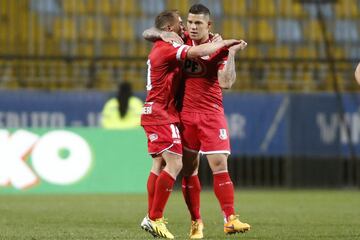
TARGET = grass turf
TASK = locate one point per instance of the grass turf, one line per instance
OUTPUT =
(313, 214)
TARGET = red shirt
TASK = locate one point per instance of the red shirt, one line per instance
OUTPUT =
(162, 83)
(202, 90)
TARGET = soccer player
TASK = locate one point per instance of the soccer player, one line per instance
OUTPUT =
(160, 118)
(357, 73)
(203, 125)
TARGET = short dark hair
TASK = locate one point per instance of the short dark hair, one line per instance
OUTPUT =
(199, 9)
(164, 18)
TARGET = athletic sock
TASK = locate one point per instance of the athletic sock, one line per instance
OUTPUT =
(151, 189)
(191, 189)
(163, 189)
(224, 191)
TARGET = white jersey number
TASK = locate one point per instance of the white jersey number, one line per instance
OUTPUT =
(148, 84)
(174, 132)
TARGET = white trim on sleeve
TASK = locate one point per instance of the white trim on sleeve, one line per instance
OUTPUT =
(179, 51)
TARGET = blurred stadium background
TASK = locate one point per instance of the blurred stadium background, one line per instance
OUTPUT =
(293, 112)
(94, 44)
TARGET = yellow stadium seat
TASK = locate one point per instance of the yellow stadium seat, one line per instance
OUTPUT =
(104, 7)
(87, 29)
(143, 48)
(304, 76)
(274, 78)
(3, 9)
(291, 8)
(262, 31)
(313, 31)
(91, 6)
(307, 52)
(338, 52)
(65, 28)
(73, 7)
(121, 29)
(279, 52)
(86, 49)
(243, 81)
(263, 8)
(182, 6)
(251, 51)
(236, 8)
(111, 49)
(91, 28)
(232, 28)
(125, 7)
(347, 9)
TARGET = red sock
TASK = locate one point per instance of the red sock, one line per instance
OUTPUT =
(224, 191)
(163, 188)
(191, 189)
(151, 189)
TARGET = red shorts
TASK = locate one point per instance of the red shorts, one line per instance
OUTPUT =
(204, 133)
(163, 138)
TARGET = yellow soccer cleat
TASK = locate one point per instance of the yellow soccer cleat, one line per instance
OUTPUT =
(234, 225)
(146, 225)
(196, 230)
(159, 228)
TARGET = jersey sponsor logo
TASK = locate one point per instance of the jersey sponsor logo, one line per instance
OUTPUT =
(153, 137)
(194, 68)
(223, 134)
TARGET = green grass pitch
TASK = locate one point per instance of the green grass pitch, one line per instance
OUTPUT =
(280, 214)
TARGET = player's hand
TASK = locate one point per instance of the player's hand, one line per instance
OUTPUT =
(171, 37)
(231, 42)
(216, 37)
(241, 46)
(357, 74)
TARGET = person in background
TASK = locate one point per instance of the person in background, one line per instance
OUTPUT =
(122, 111)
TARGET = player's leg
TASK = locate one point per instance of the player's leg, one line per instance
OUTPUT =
(163, 189)
(163, 146)
(156, 168)
(224, 191)
(165, 183)
(155, 171)
(215, 144)
(191, 189)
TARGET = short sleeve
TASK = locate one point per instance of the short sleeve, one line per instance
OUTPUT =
(176, 52)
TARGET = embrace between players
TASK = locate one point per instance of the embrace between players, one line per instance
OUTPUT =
(183, 116)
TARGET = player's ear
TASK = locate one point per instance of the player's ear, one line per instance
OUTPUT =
(210, 23)
(169, 28)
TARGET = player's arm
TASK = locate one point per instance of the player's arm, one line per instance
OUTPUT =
(357, 74)
(227, 75)
(210, 48)
(153, 34)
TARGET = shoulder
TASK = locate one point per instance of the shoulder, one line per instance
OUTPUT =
(112, 101)
(135, 100)
(357, 73)
(110, 104)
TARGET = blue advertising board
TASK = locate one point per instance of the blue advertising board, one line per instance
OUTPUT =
(320, 124)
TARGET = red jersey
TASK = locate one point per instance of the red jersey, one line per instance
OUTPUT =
(162, 83)
(202, 90)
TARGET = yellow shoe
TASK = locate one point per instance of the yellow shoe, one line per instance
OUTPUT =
(196, 230)
(233, 225)
(146, 225)
(159, 228)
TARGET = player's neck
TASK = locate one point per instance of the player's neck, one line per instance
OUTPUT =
(201, 41)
